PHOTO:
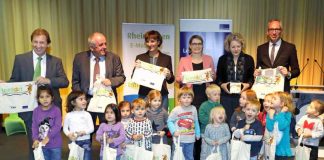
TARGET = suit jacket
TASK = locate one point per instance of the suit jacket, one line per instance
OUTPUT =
(185, 64)
(162, 61)
(286, 56)
(81, 71)
(23, 70)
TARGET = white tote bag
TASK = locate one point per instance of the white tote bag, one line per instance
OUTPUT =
(215, 156)
(76, 152)
(135, 152)
(38, 152)
(178, 154)
(240, 150)
(108, 153)
(269, 145)
(161, 151)
(302, 152)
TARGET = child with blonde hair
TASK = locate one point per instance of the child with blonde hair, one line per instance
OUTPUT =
(157, 115)
(217, 134)
(239, 111)
(183, 120)
(213, 93)
(139, 129)
(311, 127)
(278, 123)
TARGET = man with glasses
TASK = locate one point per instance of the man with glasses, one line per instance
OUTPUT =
(278, 53)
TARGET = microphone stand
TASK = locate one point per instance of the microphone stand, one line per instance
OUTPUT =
(301, 72)
(319, 66)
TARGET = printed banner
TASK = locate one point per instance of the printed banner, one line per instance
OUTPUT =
(195, 77)
(153, 78)
(133, 45)
(102, 96)
(270, 80)
(18, 97)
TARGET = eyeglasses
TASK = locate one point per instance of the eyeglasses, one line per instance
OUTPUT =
(274, 29)
(196, 44)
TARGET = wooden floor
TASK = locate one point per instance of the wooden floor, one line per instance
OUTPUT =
(14, 147)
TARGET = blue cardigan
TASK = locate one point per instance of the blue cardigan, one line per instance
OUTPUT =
(283, 119)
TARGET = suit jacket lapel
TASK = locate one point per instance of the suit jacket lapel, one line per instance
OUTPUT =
(279, 53)
(267, 57)
(30, 66)
(48, 65)
(87, 67)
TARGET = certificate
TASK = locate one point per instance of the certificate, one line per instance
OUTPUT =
(269, 81)
(199, 76)
(102, 96)
(149, 75)
(18, 97)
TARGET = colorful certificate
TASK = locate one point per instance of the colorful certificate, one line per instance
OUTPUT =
(18, 97)
(149, 75)
(102, 96)
(270, 80)
(199, 76)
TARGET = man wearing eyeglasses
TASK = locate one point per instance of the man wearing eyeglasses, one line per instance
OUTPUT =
(278, 53)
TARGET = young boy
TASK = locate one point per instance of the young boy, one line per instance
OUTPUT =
(183, 120)
(213, 94)
(250, 129)
(311, 126)
(140, 128)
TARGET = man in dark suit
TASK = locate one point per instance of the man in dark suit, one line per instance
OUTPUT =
(278, 53)
(84, 68)
(51, 73)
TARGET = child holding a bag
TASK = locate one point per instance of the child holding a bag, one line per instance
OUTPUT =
(250, 129)
(311, 126)
(183, 120)
(217, 135)
(157, 115)
(47, 123)
(239, 111)
(78, 123)
(278, 123)
(139, 129)
(115, 133)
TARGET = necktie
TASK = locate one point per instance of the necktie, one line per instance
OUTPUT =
(37, 71)
(272, 56)
(96, 70)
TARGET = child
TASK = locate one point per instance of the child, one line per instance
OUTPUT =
(78, 123)
(278, 123)
(125, 111)
(139, 129)
(47, 123)
(115, 133)
(311, 126)
(217, 134)
(239, 111)
(266, 106)
(157, 115)
(213, 94)
(183, 120)
(250, 129)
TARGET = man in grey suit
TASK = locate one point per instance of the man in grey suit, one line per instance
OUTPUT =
(51, 73)
(84, 69)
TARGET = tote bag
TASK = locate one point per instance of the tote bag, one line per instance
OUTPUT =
(135, 152)
(178, 154)
(302, 152)
(240, 150)
(108, 153)
(76, 152)
(161, 151)
(215, 156)
(38, 152)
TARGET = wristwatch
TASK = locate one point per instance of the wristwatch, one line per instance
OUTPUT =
(289, 75)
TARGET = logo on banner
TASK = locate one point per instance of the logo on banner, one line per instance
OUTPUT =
(17, 90)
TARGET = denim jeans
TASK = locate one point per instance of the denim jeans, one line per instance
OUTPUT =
(254, 158)
(86, 145)
(52, 153)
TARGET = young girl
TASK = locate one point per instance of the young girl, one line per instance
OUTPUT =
(115, 133)
(78, 123)
(278, 122)
(125, 111)
(140, 128)
(239, 114)
(158, 116)
(266, 106)
(47, 123)
(217, 134)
